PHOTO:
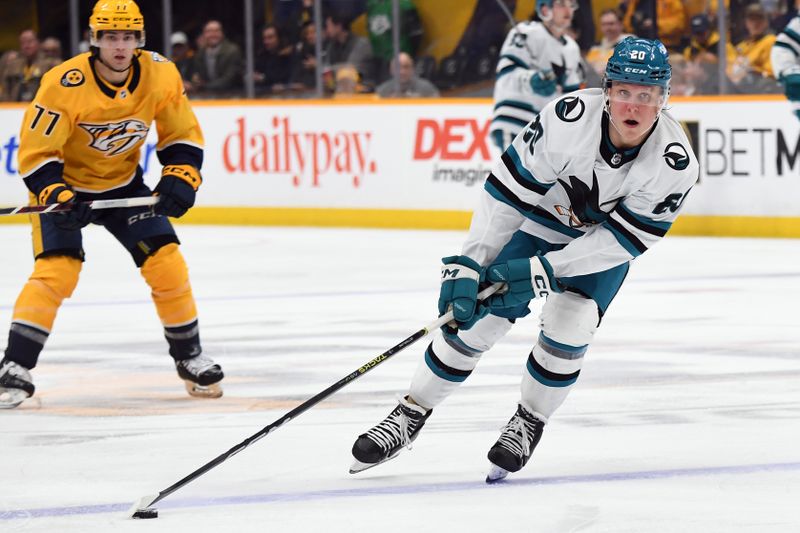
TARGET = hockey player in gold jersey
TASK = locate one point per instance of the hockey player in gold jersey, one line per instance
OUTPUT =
(80, 140)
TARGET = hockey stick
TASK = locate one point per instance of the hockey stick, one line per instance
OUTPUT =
(142, 508)
(93, 204)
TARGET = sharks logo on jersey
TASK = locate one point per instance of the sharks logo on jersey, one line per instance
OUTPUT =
(570, 109)
(676, 156)
(584, 208)
(116, 137)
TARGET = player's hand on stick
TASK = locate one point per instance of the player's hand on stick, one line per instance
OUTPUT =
(459, 291)
(525, 280)
(60, 193)
(543, 83)
(177, 190)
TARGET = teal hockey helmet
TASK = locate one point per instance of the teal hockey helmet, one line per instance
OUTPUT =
(640, 61)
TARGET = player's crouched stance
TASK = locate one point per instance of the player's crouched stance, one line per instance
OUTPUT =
(592, 183)
(80, 140)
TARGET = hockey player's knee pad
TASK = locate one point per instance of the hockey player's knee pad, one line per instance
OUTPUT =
(59, 273)
(569, 319)
(166, 273)
(53, 279)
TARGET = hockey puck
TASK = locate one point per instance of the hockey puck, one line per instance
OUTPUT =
(150, 512)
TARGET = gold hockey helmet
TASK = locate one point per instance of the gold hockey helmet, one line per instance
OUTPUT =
(115, 15)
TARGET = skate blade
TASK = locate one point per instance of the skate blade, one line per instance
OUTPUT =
(200, 391)
(496, 474)
(358, 466)
(10, 398)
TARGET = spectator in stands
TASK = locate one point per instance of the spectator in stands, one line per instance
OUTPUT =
(51, 49)
(380, 28)
(405, 83)
(304, 60)
(6, 59)
(217, 66)
(611, 28)
(24, 74)
(183, 57)
(347, 82)
(702, 62)
(344, 47)
(657, 19)
(291, 17)
(750, 68)
(272, 63)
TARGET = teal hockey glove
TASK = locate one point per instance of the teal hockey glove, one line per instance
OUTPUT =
(543, 83)
(459, 291)
(526, 279)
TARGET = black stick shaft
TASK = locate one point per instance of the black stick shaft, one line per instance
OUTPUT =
(93, 204)
(311, 402)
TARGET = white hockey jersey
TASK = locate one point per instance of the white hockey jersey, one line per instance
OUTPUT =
(563, 181)
(785, 55)
(530, 48)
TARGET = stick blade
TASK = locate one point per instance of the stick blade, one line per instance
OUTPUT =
(141, 504)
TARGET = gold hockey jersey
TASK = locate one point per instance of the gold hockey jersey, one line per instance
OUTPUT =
(89, 133)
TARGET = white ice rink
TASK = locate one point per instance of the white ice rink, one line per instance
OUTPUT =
(686, 417)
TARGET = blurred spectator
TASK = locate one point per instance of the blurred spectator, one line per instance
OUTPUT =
(405, 83)
(379, 26)
(611, 28)
(272, 63)
(51, 49)
(679, 85)
(750, 68)
(347, 82)
(702, 70)
(24, 73)
(304, 60)
(583, 25)
(182, 56)
(657, 19)
(291, 16)
(344, 47)
(217, 66)
(6, 59)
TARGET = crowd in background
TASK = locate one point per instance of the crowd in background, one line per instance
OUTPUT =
(212, 64)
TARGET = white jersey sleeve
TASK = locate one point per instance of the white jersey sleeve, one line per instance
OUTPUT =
(785, 53)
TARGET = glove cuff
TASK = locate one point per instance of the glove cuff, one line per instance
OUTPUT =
(543, 280)
(187, 173)
(451, 270)
(55, 193)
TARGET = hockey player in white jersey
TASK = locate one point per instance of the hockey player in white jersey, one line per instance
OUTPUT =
(785, 58)
(538, 63)
(592, 183)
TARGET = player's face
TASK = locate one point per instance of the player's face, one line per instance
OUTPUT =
(563, 10)
(117, 48)
(633, 109)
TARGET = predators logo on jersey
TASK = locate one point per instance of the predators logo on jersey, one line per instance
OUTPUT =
(116, 137)
(89, 133)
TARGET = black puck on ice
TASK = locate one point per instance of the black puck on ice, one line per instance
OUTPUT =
(150, 512)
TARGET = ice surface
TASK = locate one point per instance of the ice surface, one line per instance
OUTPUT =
(686, 416)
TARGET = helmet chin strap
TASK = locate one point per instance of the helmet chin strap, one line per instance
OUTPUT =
(619, 131)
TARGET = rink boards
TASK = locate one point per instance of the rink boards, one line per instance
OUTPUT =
(421, 163)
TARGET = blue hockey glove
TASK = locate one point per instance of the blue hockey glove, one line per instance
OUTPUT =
(177, 189)
(543, 83)
(459, 290)
(525, 279)
(791, 86)
(60, 193)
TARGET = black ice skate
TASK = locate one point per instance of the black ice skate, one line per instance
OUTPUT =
(515, 445)
(387, 439)
(16, 384)
(201, 376)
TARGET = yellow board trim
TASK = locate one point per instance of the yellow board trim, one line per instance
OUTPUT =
(696, 225)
